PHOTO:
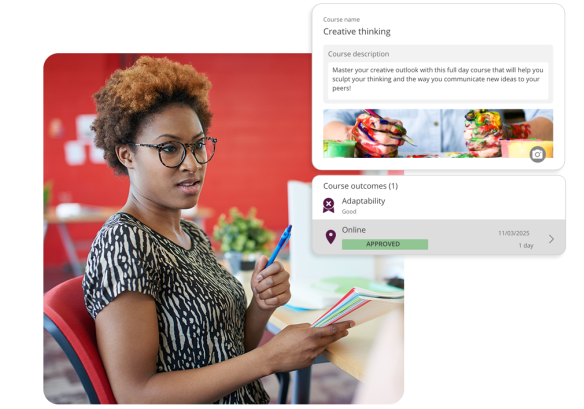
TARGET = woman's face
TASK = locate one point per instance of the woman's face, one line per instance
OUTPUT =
(168, 188)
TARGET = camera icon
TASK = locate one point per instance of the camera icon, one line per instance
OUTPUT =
(537, 154)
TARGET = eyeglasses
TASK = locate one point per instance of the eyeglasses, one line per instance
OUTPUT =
(173, 153)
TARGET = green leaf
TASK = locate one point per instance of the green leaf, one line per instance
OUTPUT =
(241, 233)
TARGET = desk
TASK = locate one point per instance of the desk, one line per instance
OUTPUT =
(95, 215)
(350, 353)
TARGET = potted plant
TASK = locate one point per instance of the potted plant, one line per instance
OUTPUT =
(243, 238)
(47, 194)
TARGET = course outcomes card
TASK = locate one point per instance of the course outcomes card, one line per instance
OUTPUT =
(463, 215)
(438, 86)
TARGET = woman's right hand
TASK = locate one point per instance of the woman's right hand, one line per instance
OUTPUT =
(296, 346)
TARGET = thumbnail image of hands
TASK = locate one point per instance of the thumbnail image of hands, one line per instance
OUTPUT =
(439, 133)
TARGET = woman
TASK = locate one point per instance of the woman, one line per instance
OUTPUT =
(173, 326)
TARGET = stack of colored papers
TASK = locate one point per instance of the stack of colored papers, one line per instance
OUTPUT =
(360, 306)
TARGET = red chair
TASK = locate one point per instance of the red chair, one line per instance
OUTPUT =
(67, 320)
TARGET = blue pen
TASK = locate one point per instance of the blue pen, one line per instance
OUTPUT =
(281, 244)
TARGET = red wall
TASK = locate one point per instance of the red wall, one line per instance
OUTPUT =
(262, 118)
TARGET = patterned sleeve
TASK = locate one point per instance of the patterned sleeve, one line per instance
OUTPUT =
(123, 257)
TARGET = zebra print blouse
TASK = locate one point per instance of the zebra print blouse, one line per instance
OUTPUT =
(200, 306)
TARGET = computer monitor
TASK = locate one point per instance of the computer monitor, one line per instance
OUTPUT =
(307, 267)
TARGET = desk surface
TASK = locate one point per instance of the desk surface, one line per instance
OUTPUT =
(101, 214)
(349, 353)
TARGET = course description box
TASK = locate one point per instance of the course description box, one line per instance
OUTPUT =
(366, 74)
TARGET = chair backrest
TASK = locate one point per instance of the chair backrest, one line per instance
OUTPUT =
(67, 320)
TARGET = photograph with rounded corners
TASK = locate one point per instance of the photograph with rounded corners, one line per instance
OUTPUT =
(437, 133)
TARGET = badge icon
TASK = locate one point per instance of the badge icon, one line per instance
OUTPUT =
(328, 205)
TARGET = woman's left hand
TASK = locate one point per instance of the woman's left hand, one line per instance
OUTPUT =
(270, 286)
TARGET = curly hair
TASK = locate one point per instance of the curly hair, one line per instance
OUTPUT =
(130, 96)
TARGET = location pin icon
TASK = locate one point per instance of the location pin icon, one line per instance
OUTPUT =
(331, 236)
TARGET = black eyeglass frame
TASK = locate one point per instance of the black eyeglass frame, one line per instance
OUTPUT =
(185, 146)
